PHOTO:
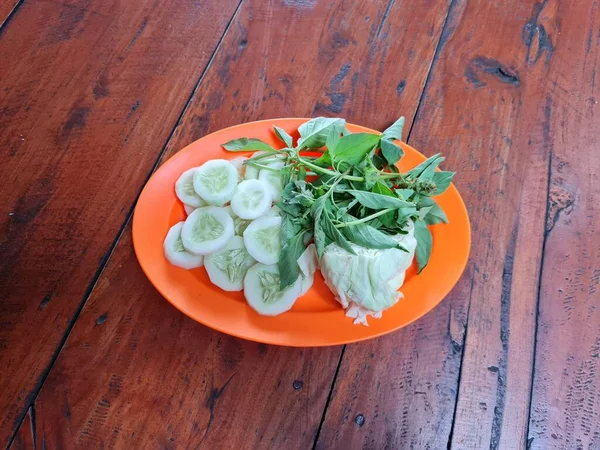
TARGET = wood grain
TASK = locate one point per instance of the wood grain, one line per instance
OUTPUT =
(88, 101)
(134, 371)
(565, 410)
(483, 108)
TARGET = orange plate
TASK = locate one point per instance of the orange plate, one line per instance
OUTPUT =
(316, 319)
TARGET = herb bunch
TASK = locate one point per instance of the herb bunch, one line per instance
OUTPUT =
(345, 188)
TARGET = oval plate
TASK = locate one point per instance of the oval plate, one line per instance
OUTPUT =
(316, 319)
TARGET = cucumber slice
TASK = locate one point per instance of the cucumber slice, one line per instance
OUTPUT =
(252, 172)
(215, 181)
(239, 225)
(261, 289)
(176, 254)
(227, 267)
(239, 165)
(262, 239)
(184, 188)
(189, 209)
(252, 199)
(207, 230)
(273, 179)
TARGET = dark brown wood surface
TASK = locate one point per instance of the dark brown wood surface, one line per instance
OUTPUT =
(506, 90)
(90, 93)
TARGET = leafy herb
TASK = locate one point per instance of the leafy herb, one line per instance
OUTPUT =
(351, 193)
(245, 144)
(289, 271)
(284, 136)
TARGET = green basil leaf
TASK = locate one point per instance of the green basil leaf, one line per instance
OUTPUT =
(394, 131)
(424, 244)
(404, 214)
(284, 136)
(246, 144)
(367, 236)
(314, 133)
(435, 215)
(381, 188)
(404, 193)
(442, 180)
(378, 201)
(391, 152)
(352, 148)
(292, 210)
(289, 228)
(417, 171)
(332, 142)
(334, 234)
(288, 260)
(302, 173)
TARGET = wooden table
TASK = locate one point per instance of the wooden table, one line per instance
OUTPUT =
(94, 95)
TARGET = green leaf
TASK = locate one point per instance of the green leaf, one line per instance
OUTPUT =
(381, 188)
(334, 234)
(404, 193)
(367, 236)
(332, 142)
(378, 201)
(404, 214)
(292, 210)
(245, 144)
(289, 228)
(442, 180)
(435, 215)
(288, 260)
(417, 171)
(314, 133)
(284, 136)
(391, 152)
(352, 148)
(424, 243)
(394, 131)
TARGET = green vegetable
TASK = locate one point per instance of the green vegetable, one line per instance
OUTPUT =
(245, 144)
(351, 194)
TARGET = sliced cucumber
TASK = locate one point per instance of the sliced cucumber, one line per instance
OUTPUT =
(215, 181)
(239, 225)
(184, 188)
(252, 199)
(227, 267)
(261, 289)
(175, 252)
(239, 165)
(262, 239)
(189, 209)
(207, 230)
(273, 179)
(252, 172)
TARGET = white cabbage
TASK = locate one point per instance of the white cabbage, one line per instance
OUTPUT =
(367, 283)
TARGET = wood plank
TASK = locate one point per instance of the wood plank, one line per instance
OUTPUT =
(6, 8)
(565, 409)
(136, 372)
(482, 109)
(24, 440)
(88, 101)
